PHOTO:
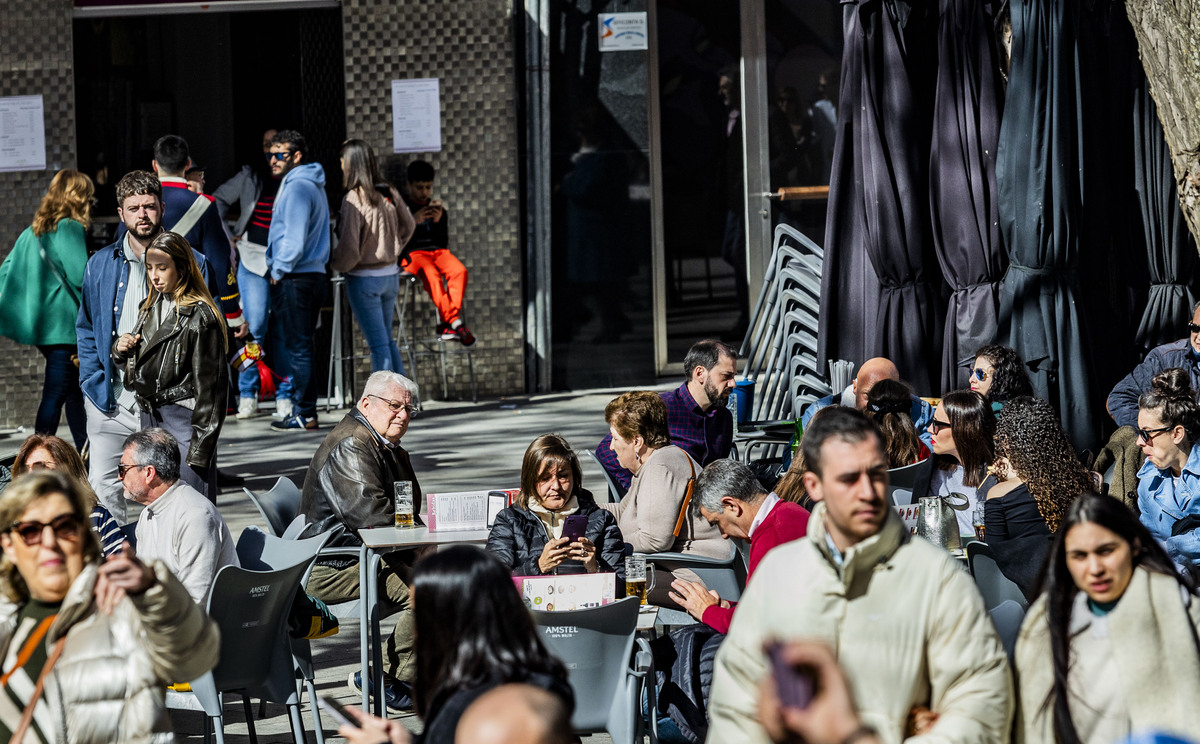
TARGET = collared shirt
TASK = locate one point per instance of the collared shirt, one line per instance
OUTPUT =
(705, 435)
(135, 295)
(767, 505)
(834, 553)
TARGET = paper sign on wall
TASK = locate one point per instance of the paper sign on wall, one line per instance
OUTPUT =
(22, 134)
(416, 116)
(623, 32)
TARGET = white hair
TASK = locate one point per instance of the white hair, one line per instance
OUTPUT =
(380, 381)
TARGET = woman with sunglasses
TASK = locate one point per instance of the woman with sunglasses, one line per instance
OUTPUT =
(1109, 647)
(961, 438)
(87, 646)
(1169, 481)
(999, 375)
(46, 452)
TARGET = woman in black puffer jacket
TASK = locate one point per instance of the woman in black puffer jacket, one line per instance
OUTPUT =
(527, 536)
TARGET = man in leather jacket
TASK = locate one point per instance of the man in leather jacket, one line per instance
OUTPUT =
(350, 486)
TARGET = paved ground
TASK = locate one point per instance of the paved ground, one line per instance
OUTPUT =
(454, 447)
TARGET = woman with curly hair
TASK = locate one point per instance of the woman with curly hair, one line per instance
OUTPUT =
(1036, 471)
(999, 375)
(1168, 428)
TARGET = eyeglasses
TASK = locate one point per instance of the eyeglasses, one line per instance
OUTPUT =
(1148, 434)
(280, 156)
(65, 526)
(1193, 328)
(395, 406)
(981, 374)
(122, 469)
(938, 425)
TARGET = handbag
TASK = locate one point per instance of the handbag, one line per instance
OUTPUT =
(936, 521)
(687, 499)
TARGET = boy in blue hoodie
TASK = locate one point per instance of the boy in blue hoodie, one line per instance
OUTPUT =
(297, 251)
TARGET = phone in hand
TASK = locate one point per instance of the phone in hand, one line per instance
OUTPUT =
(574, 527)
(793, 685)
(336, 711)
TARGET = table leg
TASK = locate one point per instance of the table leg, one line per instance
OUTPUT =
(364, 617)
(374, 561)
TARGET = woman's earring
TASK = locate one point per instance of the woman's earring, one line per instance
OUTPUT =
(637, 457)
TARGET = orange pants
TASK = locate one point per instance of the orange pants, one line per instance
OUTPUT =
(432, 267)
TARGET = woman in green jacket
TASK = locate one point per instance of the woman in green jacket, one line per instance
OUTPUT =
(39, 296)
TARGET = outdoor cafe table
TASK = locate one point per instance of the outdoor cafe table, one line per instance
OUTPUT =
(376, 542)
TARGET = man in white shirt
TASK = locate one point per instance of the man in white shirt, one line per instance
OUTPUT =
(179, 526)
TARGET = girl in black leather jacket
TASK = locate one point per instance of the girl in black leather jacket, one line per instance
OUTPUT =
(175, 360)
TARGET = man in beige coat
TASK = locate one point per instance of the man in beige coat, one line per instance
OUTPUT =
(906, 623)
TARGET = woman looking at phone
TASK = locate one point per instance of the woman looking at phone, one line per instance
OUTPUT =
(540, 533)
(177, 353)
(1109, 647)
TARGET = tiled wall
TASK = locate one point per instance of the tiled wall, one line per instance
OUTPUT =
(35, 58)
(468, 46)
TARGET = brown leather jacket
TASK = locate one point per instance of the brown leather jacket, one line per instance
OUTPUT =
(184, 358)
(350, 480)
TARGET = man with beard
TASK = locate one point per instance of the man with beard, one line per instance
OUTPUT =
(697, 416)
(114, 287)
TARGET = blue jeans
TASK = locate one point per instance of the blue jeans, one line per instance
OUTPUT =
(373, 300)
(61, 389)
(296, 301)
(256, 307)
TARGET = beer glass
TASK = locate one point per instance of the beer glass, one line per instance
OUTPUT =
(977, 520)
(404, 504)
(639, 577)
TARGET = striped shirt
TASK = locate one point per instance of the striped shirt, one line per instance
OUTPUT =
(21, 668)
(107, 529)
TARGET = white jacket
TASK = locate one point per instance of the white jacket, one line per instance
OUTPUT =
(906, 623)
(109, 684)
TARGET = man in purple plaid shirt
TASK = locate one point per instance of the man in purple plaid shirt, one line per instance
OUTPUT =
(697, 417)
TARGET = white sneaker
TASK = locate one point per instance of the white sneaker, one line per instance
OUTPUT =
(283, 409)
(247, 408)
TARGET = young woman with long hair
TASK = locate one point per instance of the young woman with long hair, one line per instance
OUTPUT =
(475, 634)
(889, 405)
(176, 359)
(373, 227)
(41, 281)
(1168, 426)
(1109, 647)
(961, 440)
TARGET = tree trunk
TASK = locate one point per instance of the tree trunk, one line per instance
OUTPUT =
(1168, 35)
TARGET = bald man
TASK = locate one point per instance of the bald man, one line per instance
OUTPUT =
(515, 714)
(855, 396)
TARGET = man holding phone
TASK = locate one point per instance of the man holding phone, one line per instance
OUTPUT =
(906, 622)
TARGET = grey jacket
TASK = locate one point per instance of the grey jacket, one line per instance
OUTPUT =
(109, 684)
(243, 189)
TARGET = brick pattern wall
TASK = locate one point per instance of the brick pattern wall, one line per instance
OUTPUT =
(35, 58)
(468, 45)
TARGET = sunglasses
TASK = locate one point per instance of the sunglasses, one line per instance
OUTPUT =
(938, 425)
(981, 374)
(395, 406)
(280, 156)
(1149, 434)
(1193, 328)
(65, 526)
(122, 469)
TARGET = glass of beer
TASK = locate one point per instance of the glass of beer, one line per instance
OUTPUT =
(404, 504)
(639, 577)
(977, 520)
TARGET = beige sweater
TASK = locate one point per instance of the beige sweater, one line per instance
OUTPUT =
(371, 236)
(650, 508)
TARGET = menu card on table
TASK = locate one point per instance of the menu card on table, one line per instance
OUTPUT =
(568, 592)
(464, 510)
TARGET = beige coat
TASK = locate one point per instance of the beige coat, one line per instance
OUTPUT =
(109, 684)
(1151, 647)
(647, 514)
(905, 621)
(371, 236)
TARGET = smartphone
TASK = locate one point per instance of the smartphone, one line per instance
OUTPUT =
(792, 684)
(336, 711)
(574, 527)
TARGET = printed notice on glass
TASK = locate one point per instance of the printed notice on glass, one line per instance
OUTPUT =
(22, 134)
(623, 32)
(416, 116)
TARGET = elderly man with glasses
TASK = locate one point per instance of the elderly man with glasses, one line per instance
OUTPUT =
(351, 485)
(1184, 353)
